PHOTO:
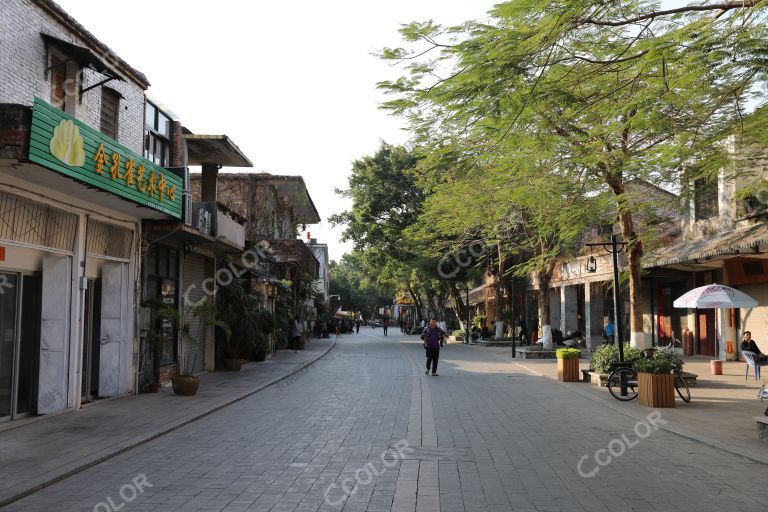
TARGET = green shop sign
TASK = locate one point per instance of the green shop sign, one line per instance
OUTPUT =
(63, 144)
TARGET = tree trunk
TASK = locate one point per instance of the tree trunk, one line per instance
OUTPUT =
(459, 309)
(499, 294)
(544, 277)
(416, 301)
(635, 253)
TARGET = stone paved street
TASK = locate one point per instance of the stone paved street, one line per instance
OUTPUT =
(365, 430)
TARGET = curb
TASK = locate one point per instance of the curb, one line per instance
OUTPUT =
(640, 417)
(144, 439)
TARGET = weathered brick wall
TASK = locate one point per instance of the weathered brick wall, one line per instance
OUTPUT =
(23, 75)
(256, 200)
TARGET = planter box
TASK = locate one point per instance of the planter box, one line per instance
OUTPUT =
(568, 369)
(656, 390)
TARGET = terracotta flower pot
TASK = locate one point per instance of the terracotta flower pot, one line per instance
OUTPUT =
(185, 386)
(656, 390)
(568, 369)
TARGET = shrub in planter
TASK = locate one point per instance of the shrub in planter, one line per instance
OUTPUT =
(607, 354)
(655, 382)
(568, 364)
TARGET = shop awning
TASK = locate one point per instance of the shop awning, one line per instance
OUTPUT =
(214, 150)
(84, 56)
(745, 241)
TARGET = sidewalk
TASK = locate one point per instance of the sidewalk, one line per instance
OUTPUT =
(43, 452)
(720, 413)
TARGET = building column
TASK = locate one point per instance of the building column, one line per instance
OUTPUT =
(562, 310)
(208, 183)
(587, 316)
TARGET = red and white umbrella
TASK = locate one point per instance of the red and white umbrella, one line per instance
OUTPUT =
(715, 296)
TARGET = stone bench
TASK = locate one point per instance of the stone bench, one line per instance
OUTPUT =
(601, 379)
(762, 427)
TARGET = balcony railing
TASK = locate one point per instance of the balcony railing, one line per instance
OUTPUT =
(213, 221)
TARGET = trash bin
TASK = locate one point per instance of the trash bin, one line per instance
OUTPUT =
(687, 343)
(716, 366)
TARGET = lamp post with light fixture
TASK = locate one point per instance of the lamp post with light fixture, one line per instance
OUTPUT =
(614, 248)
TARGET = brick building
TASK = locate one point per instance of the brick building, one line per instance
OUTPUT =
(75, 188)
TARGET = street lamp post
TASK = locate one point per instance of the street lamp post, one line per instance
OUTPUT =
(467, 338)
(615, 247)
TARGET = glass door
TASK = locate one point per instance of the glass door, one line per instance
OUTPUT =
(8, 328)
(29, 344)
(91, 341)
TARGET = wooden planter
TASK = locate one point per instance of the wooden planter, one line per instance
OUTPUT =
(568, 369)
(656, 390)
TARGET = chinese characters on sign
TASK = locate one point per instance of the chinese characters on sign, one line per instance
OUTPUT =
(152, 185)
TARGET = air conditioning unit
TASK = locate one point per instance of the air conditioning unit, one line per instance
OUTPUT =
(188, 210)
(204, 222)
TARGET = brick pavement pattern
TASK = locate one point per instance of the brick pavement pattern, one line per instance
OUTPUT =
(484, 436)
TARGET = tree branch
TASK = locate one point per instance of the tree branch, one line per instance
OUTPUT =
(721, 8)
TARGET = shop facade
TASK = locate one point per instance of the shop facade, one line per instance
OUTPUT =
(75, 190)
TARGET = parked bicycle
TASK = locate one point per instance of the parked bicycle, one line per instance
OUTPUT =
(622, 381)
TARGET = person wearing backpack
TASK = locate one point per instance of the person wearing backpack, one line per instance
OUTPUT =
(433, 338)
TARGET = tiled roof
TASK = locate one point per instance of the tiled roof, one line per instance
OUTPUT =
(743, 241)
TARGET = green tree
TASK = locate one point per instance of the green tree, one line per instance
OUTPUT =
(618, 90)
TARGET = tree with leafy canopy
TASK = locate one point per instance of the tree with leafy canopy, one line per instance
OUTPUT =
(358, 290)
(623, 89)
(527, 216)
(386, 201)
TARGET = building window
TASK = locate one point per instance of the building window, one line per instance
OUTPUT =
(110, 103)
(162, 268)
(157, 136)
(58, 82)
(705, 198)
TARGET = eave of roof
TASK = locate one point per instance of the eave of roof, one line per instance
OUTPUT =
(214, 150)
(292, 186)
(743, 241)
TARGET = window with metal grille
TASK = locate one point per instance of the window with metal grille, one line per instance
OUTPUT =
(108, 240)
(110, 108)
(157, 135)
(705, 198)
(31, 223)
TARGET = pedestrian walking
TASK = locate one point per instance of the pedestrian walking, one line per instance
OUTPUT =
(357, 326)
(609, 332)
(523, 330)
(385, 324)
(433, 338)
(296, 331)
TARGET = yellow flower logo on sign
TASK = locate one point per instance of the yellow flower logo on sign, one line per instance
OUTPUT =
(67, 144)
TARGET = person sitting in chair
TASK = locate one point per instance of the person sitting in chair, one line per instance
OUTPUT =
(749, 345)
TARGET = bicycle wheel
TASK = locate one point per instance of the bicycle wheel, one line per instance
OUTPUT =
(682, 387)
(614, 384)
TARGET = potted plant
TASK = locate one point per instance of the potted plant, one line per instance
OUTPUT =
(240, 311)
(185, 382)
(655, 381)
(568, 364)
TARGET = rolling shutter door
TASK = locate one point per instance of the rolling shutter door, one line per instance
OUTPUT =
(756, 320)
(194, 274)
